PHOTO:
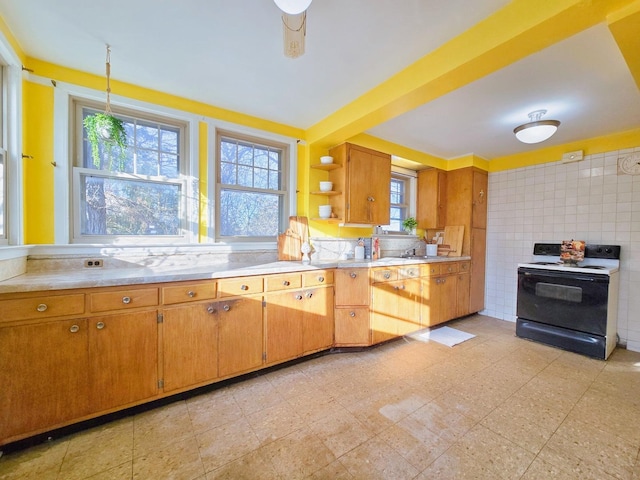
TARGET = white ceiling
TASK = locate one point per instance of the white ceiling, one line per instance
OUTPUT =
(228, 53)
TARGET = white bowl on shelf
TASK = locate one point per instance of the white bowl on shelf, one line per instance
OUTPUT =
(326, 159)
(324, 211)
(326, 186)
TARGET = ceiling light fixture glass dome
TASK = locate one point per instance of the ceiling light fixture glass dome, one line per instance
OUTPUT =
(293, 7)
(536, 130)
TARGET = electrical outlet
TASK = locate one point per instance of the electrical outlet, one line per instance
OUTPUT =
(93, 263)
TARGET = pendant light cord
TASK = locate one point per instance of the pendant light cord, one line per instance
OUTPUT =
(108, 70)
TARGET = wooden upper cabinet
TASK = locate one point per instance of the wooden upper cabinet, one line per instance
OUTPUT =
(432, 198)
(479, 200)
(365, 181)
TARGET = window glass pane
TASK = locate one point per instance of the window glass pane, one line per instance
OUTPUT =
(249, 214)
(245, 176)
(146, 137)
(116, 206)
(245, 155)
(169, 141)
(147, 163)
(169, 165)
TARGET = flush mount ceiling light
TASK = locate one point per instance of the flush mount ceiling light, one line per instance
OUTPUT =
(536, 130)
(293, 7)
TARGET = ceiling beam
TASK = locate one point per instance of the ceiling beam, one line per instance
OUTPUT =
(625, 28)
(521, 28)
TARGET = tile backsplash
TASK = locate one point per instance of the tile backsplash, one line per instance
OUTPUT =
(587, 200)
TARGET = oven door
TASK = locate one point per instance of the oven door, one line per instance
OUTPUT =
(576, 301)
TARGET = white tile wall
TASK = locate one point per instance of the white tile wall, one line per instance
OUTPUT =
(585, 200)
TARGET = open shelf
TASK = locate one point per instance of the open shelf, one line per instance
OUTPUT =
(328, 220)
(329, 193)
(326, 166)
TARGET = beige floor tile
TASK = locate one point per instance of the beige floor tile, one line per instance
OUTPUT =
(41, 462)
(157, 428)
(313, 405)
(454, 464)
(226, 443)
(253, 466)
(341, 432)
(375, 459)
(568, 463)
(255, 394)
(179, 461)
(120, 472)
(420, 447)
(495, 453)
(98, 450)
(333, 471)
(274, 422)
(290, 382)
(605, 451)
(541, 470)
(444, 420)
(212, 409)
(298, 455)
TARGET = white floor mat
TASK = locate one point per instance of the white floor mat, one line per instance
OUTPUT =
(444, 335)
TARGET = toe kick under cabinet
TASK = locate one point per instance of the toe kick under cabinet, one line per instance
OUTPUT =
(72, 355)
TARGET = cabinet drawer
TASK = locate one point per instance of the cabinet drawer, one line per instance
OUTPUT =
(42, 307)
(429, 269)
(409, 272)
(189, 292)
(447, 268)
(321, 277)
(282, 282)
(119, 299)
(385, 275)
(464, 267)
(229, 287)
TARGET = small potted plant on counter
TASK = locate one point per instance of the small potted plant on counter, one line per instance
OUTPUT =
(409, 224)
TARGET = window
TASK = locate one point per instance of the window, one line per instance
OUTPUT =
(402, 204)
(251, 188)
(136, 193)
(3, 162)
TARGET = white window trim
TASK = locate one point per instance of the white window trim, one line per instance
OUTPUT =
(292, 170)
(63, 93)
(12, 135)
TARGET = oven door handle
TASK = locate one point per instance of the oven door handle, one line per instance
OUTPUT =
(551, 274)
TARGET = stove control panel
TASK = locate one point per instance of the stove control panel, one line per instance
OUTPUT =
(611, 252)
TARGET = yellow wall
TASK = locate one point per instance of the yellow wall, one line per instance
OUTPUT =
(38, 172)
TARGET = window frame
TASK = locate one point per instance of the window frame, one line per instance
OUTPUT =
(286, 187)
(77, 168)
(410, 180)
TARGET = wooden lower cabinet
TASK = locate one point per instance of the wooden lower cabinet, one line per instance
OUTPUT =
(298, 322)
(317, 320)
(240, 335)
(463, 286)
(123, 359)
(352, 327)
(439, 299)
(189, 345)
(44, 380)
(395, 309)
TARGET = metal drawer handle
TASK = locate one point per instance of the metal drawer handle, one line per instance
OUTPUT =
(126, 300)
(387, 275)
(226, 308)
(244, 287)
(309, 294)
(321, 279)
(286, 283)
(191, 294)
(353, 275)
(352, 314)
(100, 325)
(42, 307)
(211, 309)
(74, 328)
(401, 287)
(298, 297)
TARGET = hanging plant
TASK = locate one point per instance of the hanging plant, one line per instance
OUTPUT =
(105, 129)
(409, 224)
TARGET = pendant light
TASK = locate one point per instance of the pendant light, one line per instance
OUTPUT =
(293, 7)
(536, 130)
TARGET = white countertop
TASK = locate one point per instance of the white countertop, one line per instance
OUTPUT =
(104, 277)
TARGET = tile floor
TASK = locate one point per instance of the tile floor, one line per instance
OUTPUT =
(494, 407)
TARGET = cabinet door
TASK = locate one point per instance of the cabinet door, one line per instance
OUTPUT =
(189, 345)
(123, 359)
(43, 376)
(408, 306)
(394, 309)
(430, 301)
(352, 286)
(432, 191)
(369, 184)
(240, 335)
(352, 327)
(283, 319)
(448, 298)
(476, 295)
(479, 201)
(317, 324)
(462, 294)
